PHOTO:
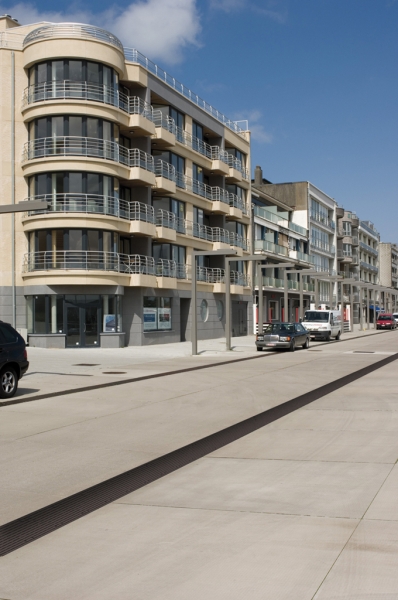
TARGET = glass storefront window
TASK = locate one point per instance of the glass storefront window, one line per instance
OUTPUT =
(157, 313)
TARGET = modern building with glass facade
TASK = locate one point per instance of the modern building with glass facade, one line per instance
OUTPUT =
(137, 172)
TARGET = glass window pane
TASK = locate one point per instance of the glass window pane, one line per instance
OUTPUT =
(41, 241)
(93, 183)
(93, 240)
(93, 130)
(41, 184)
(75, 70)
(75, 183)
(42, 73)
(41, 128)
(57, 126)
(76, 126)
(40, 314)
(75, 239)
(57, 70)
(59, 239)
(93, 72)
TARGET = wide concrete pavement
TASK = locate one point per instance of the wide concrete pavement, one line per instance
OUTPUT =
(303, 508)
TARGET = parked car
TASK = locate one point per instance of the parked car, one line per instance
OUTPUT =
(13, 360)
(395, 315)
(323, 324)
(283, 335)
(386, 321)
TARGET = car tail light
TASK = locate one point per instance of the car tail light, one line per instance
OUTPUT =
(25, 354)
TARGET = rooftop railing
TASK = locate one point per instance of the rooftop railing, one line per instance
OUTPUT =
(72, 30)
(368, 229)
(132, 55)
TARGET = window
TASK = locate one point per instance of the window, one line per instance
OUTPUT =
(204, 311)
(7, 334)
(220, 309)
(76, 126)
(346, 228)
(157, 313)
(69, 70)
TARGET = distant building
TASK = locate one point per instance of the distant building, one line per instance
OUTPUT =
(388, 264)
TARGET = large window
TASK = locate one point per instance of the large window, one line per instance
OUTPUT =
(157, 313)
(74, 126)
(72, 70)
(73, 239)
(70, 182)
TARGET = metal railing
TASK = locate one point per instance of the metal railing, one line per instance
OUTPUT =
(267, 246)
(165, 169)
(368, 229)
(94, 204)
(319, 218)
(213, 193)
(132, 55)
(164, 121)
(87, 261)
(321, 245)
(11, 40)
(72, 30)
(170, 268)
(368, 266)
(90, 147)
(369, 249)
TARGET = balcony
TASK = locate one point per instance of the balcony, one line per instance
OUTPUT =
(368, 267)
(165, 177)
(267, 215)
(141, 164)
(70, 31)
(265, 246)
(140, 215)
(369, 249)
(301, 256)
(323, 220)
(165, 129)
(323, 246)
(222, 200)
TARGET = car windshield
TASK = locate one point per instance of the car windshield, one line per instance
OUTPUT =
(385, 317)
(316, 316)
(279, 327)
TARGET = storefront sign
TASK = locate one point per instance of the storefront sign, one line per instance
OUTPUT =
(164, 318)
(109, 323)
(150, 319)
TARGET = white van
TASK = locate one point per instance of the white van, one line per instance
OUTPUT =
(323, 324)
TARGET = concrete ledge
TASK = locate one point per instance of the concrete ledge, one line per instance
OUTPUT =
(47, 340)
(112, 340)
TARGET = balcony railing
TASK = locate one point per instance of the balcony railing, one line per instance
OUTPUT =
(212, 193)
(88, 261)
(170, 268)
(165, 169)
(319, 218)
(368, 266)
(369, 230)
(267, 246)
(263, 213)
(95, 204)
(89, 147)
(368, 249)
(134, 56)
(296, 254)
(72, 30)
(323, 246)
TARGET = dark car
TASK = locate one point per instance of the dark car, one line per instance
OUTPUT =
(283, 335)
(386, 321)
(13, 360)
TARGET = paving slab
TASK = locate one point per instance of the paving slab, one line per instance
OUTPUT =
(385, 506)
(152, 553)
(368, 566)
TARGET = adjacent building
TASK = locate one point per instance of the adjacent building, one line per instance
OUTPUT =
(137, 172)
(278, 238)
(388, 264)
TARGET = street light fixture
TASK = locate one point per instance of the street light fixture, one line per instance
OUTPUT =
(24, 206)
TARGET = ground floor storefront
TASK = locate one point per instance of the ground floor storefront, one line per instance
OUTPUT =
(274, 306)
(117, 316)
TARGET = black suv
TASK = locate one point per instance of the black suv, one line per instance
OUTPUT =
(13, 360)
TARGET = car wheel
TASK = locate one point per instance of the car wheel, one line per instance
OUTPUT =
(259, 349)
(292, 345)
(306, 345)
(8, 382)
(327, 338)
(338, 336)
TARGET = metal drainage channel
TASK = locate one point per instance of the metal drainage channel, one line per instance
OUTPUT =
(27, 529)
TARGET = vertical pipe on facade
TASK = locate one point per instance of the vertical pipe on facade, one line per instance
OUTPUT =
(14, 303)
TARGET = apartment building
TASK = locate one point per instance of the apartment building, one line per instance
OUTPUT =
(369, 240)
(315, 211)
(388, 264)
(347, 243)
(137, 172)
(279, 238)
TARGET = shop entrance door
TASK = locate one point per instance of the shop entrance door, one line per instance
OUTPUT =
(82, 326)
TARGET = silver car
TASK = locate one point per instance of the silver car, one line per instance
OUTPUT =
(283, 335)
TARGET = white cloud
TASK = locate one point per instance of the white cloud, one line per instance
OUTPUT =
(162, 29)
(256, 128)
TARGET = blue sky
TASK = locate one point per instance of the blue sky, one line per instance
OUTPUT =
(317, 80)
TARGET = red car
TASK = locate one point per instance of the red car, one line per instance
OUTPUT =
(386, 321)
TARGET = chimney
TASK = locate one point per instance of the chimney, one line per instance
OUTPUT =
(258, 176)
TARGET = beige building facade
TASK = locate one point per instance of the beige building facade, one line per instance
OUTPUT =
(388, 264)
(137, 172)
